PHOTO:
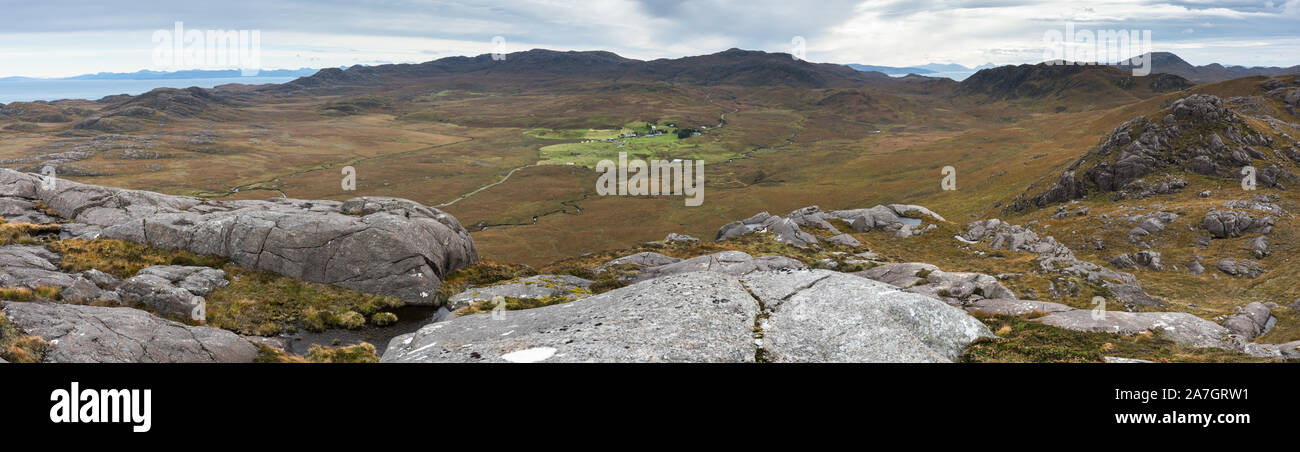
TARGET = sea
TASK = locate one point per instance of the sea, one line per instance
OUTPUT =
(54, 89)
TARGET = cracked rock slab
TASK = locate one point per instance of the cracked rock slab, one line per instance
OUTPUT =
(690, 317)
(826, 316)
(92, 334)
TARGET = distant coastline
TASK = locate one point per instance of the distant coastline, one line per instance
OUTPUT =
(97, 86)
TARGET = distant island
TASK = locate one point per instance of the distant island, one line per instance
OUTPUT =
(161, 75)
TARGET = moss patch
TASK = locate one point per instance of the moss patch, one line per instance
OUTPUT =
(17, 347)
(360, 353)
(24, 233)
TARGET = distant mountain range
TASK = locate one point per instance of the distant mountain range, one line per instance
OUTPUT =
(953, 71)
(1161, 63)
(1168, 63)
(540, 66)
(160, 75)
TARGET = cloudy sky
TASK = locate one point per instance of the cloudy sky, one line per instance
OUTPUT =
(60, 38)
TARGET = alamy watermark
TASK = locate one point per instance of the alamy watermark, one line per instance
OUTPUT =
(179, 48)
(1087, 47)
(637, 177)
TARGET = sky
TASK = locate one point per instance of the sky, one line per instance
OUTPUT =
(54, 38)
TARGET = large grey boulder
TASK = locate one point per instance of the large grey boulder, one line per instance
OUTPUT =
(1250, 321)
(1148, 259)
(33, 266)
(172, 290)
(17, 210)
(533, 287)
(1011, 306)
(785, 230)
(813, 216)
(690, 317)
(843, 240)
(200, 281)
(91, 334)
(1240, 267)
(385, 246)
(742, 227)
(880, 218)
(1259, 247)
(734, 263)
(1179, 326)
(1229, 223)
(955, 288)
(826, 316)
(640, 260)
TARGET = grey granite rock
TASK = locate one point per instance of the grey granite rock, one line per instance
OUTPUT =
(199, 281)
(1228, 223)
(690, 317)
(955, 288)
(1011, 306)
(91, 334)
(1259, 247)
(386, 246)
(642, 259)
(1250, 321)
(680, 238)
(1179, 326)
(1240, 267)
(826, 316)
(532, 287)
(843, 240)
(734, 263)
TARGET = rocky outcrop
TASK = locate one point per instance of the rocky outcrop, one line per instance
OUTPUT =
(734, 263)
(639, 260)
(537, 287)
(903, 219)
(1197, 133)
(33, 267)
(1147, 259)
(172, 290)
(1259, 247)
(1250, 321)
(1055, 257)
(1227, 223)
(385, 246)
(954, 288)
(1178, 326)
(706, 316)
(1011, 306)
(91, 334)
(1240, 267)
(843, 240)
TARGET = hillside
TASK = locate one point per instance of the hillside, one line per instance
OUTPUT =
(1168, 63)
(730, 67)
(1066, 87)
